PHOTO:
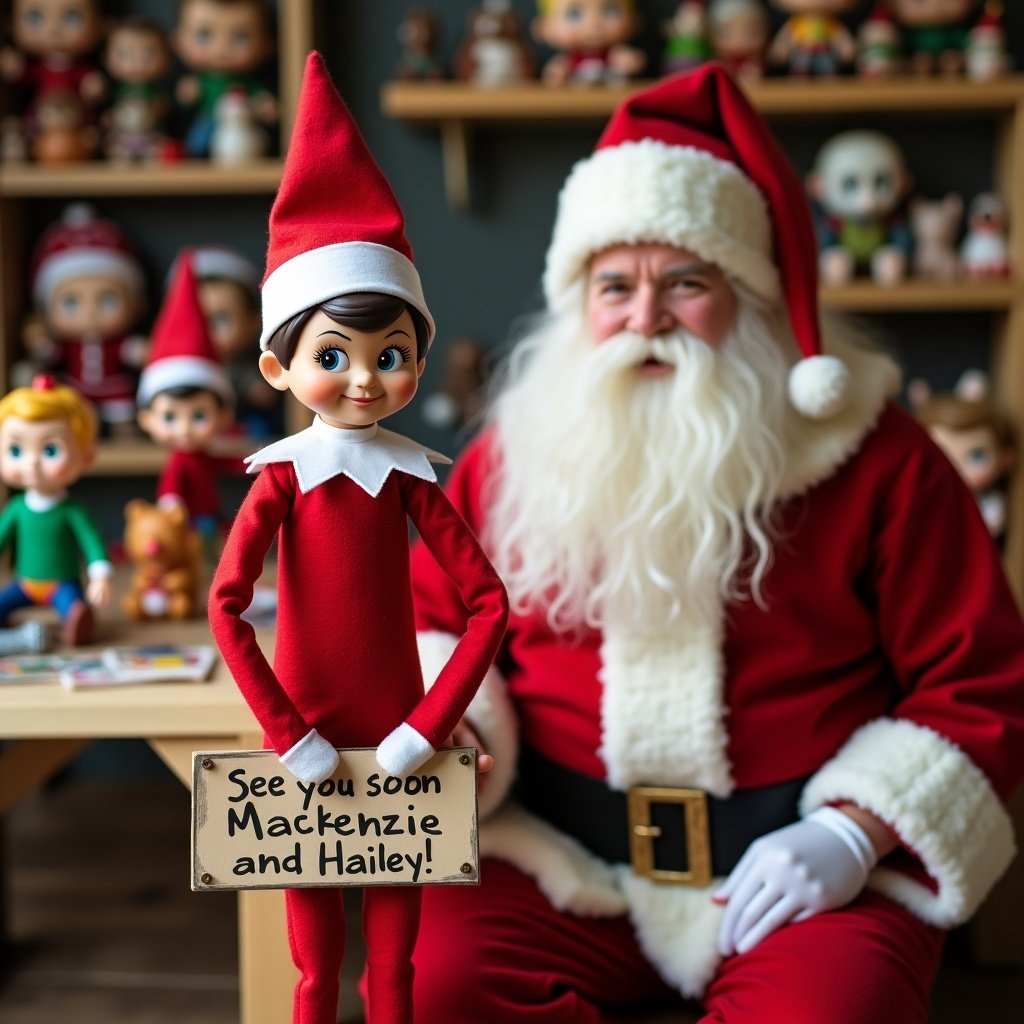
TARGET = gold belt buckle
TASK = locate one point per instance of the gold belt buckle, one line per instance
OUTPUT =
(642, 834)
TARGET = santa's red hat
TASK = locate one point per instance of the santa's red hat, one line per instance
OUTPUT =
(689, 162)
(335, 227)
(182, 353)
(81, 244)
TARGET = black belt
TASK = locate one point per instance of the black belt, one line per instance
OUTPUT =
(669, 834)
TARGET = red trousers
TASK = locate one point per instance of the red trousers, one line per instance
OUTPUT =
(499, 953)
(316, 933)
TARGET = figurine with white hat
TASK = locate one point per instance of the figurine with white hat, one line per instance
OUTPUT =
(346, 330)
(185, 402)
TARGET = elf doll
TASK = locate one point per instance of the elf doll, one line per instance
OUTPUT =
(229, 293)
(346, 330)
(185, 401)
(88, 287)
(47, 440)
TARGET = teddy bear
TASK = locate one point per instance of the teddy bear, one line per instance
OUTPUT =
(166, 553)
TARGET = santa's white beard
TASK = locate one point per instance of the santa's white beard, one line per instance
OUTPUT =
(634, 498)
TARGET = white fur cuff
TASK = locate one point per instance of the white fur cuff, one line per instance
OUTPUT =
(940, 804)
(403, 750)
(312, 759)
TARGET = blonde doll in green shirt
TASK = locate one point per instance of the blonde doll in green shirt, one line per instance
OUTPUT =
(47, 440)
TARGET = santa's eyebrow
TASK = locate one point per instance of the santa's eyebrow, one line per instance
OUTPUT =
(688, 269)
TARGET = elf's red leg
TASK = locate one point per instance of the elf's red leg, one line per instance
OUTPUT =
(316, 933)
(391, 919)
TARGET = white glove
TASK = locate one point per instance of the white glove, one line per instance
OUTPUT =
(816, 864)
(312, 759)
(403, 750)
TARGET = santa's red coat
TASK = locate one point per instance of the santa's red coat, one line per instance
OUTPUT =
(888, 667)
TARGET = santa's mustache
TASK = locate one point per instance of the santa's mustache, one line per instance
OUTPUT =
(628, 350)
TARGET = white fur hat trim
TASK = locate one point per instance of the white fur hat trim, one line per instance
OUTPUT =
(651, 192)
(320, 274)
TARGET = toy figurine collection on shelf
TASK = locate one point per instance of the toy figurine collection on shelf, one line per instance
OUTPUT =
(132, 90)
(860, 185)
(595, 42)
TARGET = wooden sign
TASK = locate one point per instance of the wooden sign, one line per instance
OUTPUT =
(255, 826)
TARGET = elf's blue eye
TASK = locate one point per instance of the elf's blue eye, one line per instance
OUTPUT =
(333, 360)
(390, 359)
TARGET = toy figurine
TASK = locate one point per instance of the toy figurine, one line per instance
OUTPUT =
(687, 44)
(223, 43)
(495, 51)
(984, 252)
(986, 56)
(813, 41)
(346, 331)
(419, 35)
(237, 137)
(229, 293)
(859, 181)
(55, 41)
(137, 57)
(88, 288)
(167, 559)
(185, 402)
(591, 38)
(61, 134)
(738, 30)
(976, 437)
(878, 45)
(460, 398)
(935, 225)
(47, 440)
(934, 33)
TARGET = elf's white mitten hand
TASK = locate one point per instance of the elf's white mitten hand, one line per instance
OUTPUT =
(817, 864)
(403, 750)
(312, 759)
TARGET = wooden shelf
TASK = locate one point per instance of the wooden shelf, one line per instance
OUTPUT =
(143, 458)
(189, 177)
(533, 101)
(922, 296)
(456, 107)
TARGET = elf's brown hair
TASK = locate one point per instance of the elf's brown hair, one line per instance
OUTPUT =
(363, 311)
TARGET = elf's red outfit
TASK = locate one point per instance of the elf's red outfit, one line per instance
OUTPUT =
(192, 477)
(345, 661)
(887, 669)
(339, 501)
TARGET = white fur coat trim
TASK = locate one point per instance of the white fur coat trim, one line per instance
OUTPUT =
(675, 926)
(939, 803)
(491, 714)
(815, 449)
(662, 708)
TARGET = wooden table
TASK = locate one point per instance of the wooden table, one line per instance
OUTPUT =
(49, 726)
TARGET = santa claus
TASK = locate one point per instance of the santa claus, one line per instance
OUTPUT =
(760, 699)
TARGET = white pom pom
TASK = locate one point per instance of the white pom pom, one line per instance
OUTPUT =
(818, 386)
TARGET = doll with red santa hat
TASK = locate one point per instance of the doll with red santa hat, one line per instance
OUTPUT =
(185, 401)
(88, 288)
(346, 329)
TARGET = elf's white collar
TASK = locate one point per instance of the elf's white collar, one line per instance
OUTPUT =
(366, 456)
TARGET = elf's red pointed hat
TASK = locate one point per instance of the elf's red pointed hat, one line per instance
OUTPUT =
(182, 353)
(690, 163)
(335, 226)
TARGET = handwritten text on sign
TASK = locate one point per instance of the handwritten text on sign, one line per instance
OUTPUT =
(255, 826)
